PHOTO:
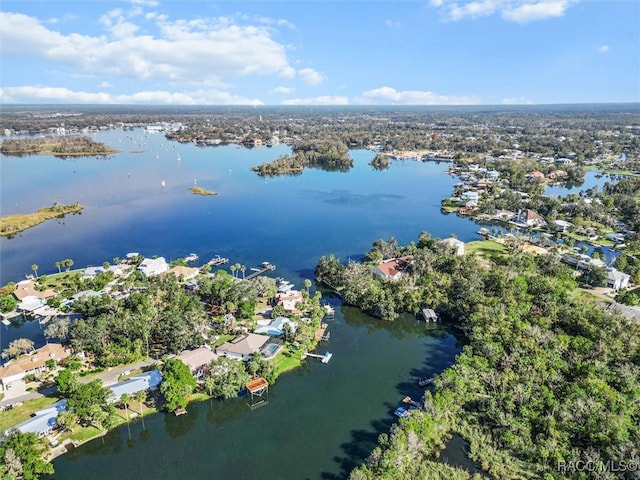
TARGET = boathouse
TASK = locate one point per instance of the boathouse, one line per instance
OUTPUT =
(428, 315)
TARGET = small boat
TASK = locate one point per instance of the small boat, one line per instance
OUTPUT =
(163, 183)
(192, 257)
(423, 382)
(329, 310)
(402, 412)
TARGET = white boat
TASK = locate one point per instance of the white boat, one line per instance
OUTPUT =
(329, 310)
(163, 183)
(192, 257)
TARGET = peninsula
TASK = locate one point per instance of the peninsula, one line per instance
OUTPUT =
(12, 224)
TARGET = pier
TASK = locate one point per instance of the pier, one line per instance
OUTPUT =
(323, 358)
(322, 334)
(217, 260)
(266, 267)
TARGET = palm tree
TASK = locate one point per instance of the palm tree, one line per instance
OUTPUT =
(242, 269)
(34, 267)
(209, 384)
(140, 397)
(307, 284)
(125, 398)
(58, 265)
(233, 270)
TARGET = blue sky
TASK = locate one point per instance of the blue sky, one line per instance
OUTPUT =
(337, 52)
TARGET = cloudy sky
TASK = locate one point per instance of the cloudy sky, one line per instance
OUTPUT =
(333, 52)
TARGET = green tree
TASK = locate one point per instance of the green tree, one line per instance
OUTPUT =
(88, 400)
(18, 347)
(58, 266)
(307, 284)
(8, 303)
(21, 456)
(34, 267)
(66, 382)
(229, 375)
(177, 383)
(58, 329)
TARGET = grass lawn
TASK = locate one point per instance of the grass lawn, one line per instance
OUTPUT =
(485, 248)
(286, 360)
(82, 434)
(223, 339)
(11, 418)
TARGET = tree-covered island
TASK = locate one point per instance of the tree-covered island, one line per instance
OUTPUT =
(326, 153)
(546, 380)
(59, 146)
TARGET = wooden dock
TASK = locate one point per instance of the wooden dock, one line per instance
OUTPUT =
(217, 260)
(266, 267)
(321, 333)
(409, 401)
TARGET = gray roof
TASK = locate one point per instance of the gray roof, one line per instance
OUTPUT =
(43, 420)
(135, 384)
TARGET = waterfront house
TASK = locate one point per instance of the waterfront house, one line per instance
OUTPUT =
(153, 266)
(43, 421)
(392, 269)
(91, 272)
(529, 218)
(143, 382)
(197, 359)
(26, 288)
(457, 246)
(288, 299)
(32, 363)
(470, 198)
(243, 346)
(276, 327)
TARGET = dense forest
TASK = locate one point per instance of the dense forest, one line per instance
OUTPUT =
(547, 379)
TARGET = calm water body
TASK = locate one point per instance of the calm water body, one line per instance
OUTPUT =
(321, 420)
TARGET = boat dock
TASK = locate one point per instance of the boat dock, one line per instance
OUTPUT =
(323, 358)
(266, 267)
(322, 334)
(217, 260)
(409, 401)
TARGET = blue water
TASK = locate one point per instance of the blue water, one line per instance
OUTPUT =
(590, 180)
(289, 221)
(321, 420)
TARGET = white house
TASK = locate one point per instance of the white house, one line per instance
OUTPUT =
(616, 279)
(470, 198)
(153, 266)
(276, 327)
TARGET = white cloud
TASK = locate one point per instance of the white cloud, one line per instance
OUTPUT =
(205, 50)
(39, 94)
(311, 76)
(602, 49)
(105, 85)
(282, 90)
(392, 24)
(516, 101)
(322, 100)
(529, 12)
(390, 96)
(521, 11)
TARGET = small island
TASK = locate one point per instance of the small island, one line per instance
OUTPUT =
(12, 224)
(72, 146)
(327, 154)
(201, 191)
